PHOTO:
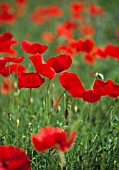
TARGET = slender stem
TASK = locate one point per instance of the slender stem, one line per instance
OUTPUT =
(28, 101)
(59, 99)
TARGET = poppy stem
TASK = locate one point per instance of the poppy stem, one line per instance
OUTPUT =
(48, 85)
(28, 101)
(59, 99)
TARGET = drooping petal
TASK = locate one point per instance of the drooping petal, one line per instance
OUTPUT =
(29, 80)
(72, 83)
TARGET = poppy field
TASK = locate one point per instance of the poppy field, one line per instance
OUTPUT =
(59, 85)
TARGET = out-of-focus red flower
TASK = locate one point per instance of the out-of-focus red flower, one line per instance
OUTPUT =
(82, 45)
(60, 63)
(76, 9)
(65, 49)
(112, 51)
(20, 3)
(86, 30)
(53, 11)
(21, 7)
(117, 31)
(95, 9)
(89, 58)
(47, 37)
(90, 96)
(13, 158)
(71, 82)
(66, 29)
(6, 43)
(7, 86)
(33, 48)
(29, 80)
(100, 53)
(55, 137)
(41, 67)
(43, 14)
(7, 14)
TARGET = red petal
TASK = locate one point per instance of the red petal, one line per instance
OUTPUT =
(71, 83)
(29, 80)
(90, 96)
(41, 67)
(33, 48)
(60, 63)
(14, 158)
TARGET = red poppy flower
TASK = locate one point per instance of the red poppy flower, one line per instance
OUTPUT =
(89, 58)
(6, 43)
(100, 52)
(71, 83)
(41, 67)
(55, 137)
(7, 14)
(29, 80)
(53, 11)
(112, 51)
(60, 63)
(7, 86)
(86, 29)
(90, 96)
(12, 68)
(13, 158)
(114, 93)
(65, 49)
(43, 14)
(95, 9)
(83, 45)
(76, 9)
(47, 37)
(11, 59)
(20, 3)
(106, 88)
(33, 48)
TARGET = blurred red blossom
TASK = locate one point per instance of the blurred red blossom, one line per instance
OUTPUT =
(13, 158)
(112, 51)
(6, 86)
(82, 45)
(47, 37)
(66, 29)
(43, 14)
(65, 49)
(29, 80)
(55, 137)
(60, 63)
(7, 13)
(95, 9)
(76, 9)
(6, 43)
(33, 48)
(86, 29)
(89, 58)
